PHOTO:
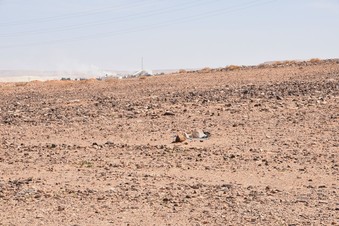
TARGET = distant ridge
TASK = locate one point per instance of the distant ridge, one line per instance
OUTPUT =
(30, 75)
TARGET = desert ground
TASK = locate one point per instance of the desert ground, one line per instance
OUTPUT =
(102, 152)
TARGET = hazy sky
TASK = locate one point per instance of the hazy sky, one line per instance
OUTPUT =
(115, 34)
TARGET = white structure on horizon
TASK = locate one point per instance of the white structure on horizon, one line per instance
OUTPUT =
(142, 73)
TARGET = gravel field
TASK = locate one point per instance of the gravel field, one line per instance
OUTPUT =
(102, 152)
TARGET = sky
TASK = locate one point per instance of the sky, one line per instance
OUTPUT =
(168, 34)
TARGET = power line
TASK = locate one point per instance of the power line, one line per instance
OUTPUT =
(168, 23)
(116, 19)
(75, 15)
(154, 26)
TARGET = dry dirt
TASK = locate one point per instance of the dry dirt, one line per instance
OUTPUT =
(101, 152)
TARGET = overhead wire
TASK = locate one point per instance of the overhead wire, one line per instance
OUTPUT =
(76, 14)
(124, 18)
(154, 26)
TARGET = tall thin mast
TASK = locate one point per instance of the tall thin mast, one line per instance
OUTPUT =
(142, 63)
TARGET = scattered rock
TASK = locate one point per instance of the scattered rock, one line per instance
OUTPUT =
(60, 208)
(169, 113)
(279, 98)
(180, 137)
(198, 134)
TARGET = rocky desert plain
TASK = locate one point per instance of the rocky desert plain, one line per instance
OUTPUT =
(103, 152)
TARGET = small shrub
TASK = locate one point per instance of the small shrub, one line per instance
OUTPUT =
(315, 60)
(232, 67)
(111, 79)
(206, 70)
(86, 164)
(20, 83)
(277, 63)
(290, 62)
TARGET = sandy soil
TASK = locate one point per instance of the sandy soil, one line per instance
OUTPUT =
(101, 152)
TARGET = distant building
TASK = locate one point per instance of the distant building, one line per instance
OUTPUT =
(65, 79)
(142, 73)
